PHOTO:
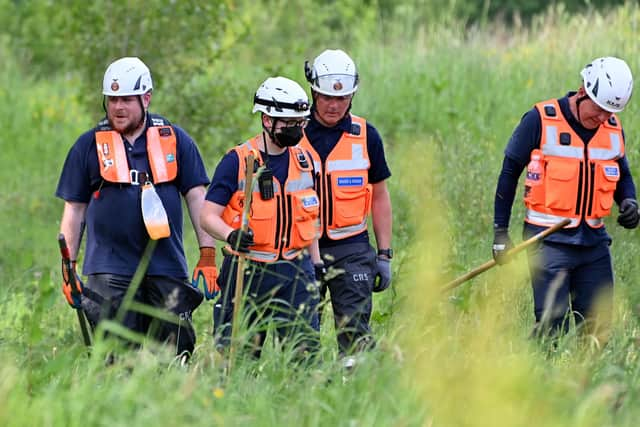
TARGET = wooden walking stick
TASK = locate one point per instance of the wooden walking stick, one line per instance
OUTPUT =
(518, 248)
(237, 298)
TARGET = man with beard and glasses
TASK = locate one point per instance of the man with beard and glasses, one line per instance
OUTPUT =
(124, 179)
(280, 243)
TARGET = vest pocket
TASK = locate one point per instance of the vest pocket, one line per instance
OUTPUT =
(561, 184)
(351, 205)
(306, 210)
(263, 220)
(607, 175)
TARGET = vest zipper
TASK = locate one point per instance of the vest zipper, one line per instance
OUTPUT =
(289, 215)
(592, 178)
(320, 190)
(329, 202)
(585, 192)
(285, 220)
(579, 197)
(276, 243)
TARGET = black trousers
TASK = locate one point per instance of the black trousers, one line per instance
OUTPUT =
(280, 294)
(570, 280)
(174, 295)
(351, 271)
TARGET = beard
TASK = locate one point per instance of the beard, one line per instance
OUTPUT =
(130, 127)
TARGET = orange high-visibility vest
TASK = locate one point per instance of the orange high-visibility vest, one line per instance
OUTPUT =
(161, 150)
(344, 182)
(568, 179)
(286, 223)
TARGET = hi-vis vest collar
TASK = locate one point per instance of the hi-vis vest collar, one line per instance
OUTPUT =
(285, 224)
(161, 150)
(343, 182)
(568, 179)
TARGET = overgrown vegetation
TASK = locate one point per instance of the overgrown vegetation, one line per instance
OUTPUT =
(445, 94)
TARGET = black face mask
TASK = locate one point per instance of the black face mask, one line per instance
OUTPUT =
(288, 137)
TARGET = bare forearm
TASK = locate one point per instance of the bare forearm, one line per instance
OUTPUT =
(212, 223)
(314, 252)
(382, 215)
(71, 225)
(195, 202)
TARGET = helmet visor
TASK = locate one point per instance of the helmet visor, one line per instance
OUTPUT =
(336, 84)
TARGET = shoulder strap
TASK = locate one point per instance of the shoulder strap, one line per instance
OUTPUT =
(304, 162)
(103, 125)
(158, 120)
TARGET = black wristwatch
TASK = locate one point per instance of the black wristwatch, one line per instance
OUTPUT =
(386, 252)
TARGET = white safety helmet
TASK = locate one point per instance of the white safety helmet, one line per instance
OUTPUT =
(333, 73)
(125, 77)
(281, 97)
(608, 82)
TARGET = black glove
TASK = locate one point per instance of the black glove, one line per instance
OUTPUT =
(320, 270)
(383, 276)
(240, 241)
(629, 216)
(501, 244)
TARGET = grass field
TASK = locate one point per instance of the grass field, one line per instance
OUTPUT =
(445, 101)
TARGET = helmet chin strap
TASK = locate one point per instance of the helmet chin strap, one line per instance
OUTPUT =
(264, 140)
(578, 102)
(143, 119)
(349, 109)
(272, 134)
(144, 113)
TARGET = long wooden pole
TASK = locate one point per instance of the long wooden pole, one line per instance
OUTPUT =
(237, 297)
(518, 248)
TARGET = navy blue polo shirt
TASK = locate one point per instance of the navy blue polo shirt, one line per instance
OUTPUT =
(324, 139)
(525, 138)
(225, 178)
(116, 235)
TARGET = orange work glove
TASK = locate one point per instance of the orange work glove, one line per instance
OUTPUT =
(206, 269)
(72, 286)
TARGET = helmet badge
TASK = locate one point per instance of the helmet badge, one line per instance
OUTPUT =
(115, 86)
(337, 85)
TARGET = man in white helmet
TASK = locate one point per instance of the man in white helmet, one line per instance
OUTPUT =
(134, 155)
(574, 152)
(281, 240)
(351, 171)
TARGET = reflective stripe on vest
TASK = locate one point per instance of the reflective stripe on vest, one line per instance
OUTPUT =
(357, 160)
(345, 190)
(562, 182)
(286, 224)
(305, 181)
(553, 147)
(161, 151)
(549, 220)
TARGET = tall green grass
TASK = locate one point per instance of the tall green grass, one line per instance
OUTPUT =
(445, 99)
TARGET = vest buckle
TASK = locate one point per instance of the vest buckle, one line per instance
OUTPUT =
(134, 176)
